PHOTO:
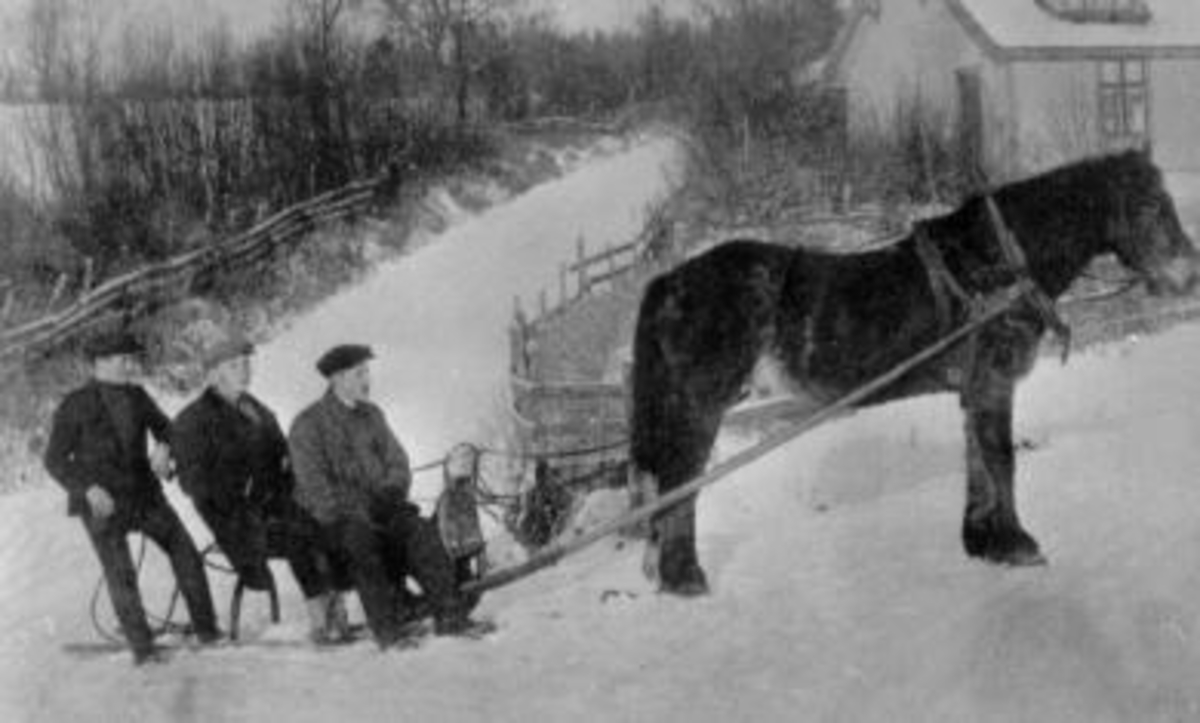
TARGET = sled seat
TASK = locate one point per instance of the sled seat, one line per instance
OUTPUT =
(275, 551)
(235, 605)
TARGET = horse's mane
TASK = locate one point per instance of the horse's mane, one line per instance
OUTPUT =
(1128, 171)
(1065, 205)
(1088, 185)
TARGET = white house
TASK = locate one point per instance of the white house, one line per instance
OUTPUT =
(1031, 83)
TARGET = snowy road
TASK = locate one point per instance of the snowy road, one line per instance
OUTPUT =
(438, 319)
(840, 591)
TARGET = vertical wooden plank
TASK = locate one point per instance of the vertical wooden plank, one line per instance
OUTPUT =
(60, 286)
(9, 302)
(89, 275)
(516, 348)
(581, 265)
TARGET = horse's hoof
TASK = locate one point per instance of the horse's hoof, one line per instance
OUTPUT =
(1003, 546)
(1015, 557)
(1023, 558)
(691, 588)
(693, 584)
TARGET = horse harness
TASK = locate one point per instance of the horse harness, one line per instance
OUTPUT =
(946, 288)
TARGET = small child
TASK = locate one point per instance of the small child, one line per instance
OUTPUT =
(457, 514)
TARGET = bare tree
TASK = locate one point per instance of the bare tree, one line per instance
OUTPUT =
(62, 45)
(319, 32)
(449, 34)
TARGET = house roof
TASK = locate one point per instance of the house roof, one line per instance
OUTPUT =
(825, 69)
(1023, 29)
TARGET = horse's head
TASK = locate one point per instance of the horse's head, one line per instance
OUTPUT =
(1144, 231)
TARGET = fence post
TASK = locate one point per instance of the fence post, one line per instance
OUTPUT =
(9, 302)
(581, 267)
(562, 284)
(60, 285)
(89, 271)
(518, 363)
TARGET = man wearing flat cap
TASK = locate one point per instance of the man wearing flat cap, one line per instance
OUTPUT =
(353, 476)
(98, 453)
(232, 460)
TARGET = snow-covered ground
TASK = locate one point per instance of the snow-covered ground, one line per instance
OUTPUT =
(839, 589)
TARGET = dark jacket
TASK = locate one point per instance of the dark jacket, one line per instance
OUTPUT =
(345, 459)
(98, 437)
(225, 458)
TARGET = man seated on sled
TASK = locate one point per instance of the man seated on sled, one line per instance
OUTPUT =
(353, 476)
(232, 460)
(98, 453)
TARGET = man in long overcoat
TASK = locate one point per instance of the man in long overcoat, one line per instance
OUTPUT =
(353, 476)
(98, 453)
(232, 460)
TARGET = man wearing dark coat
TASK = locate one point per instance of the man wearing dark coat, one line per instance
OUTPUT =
(353, 476)
(232, 460)
(98, 453)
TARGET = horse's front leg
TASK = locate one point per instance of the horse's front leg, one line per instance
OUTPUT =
(991, 528)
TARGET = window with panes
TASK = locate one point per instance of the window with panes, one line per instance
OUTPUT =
(1124, 100)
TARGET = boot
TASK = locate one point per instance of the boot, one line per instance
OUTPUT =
(318, 608)
(338, 619)
(149, 656)
(462, 626)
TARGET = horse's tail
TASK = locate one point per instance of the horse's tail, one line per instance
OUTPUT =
(651, 382)
(700, 330)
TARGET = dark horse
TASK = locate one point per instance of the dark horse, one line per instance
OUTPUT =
(832, 322)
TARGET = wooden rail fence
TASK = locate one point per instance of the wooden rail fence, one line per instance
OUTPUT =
(178, 275)
(553, 417)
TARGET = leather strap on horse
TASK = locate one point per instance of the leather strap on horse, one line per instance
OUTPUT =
(1014, 256)
(941, 282)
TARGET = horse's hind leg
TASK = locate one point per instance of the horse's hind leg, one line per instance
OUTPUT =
(671, 557)
(674, 535)
(991, 529)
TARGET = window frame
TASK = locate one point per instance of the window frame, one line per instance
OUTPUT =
(1123, 100)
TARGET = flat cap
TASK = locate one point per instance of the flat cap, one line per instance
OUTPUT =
(226, 348)
(112, 343)
(341, 358)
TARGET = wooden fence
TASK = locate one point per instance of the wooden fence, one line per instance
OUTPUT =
(556, 417)
(571, 418)
(176, 276)
(598, 271)
(553, 417)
